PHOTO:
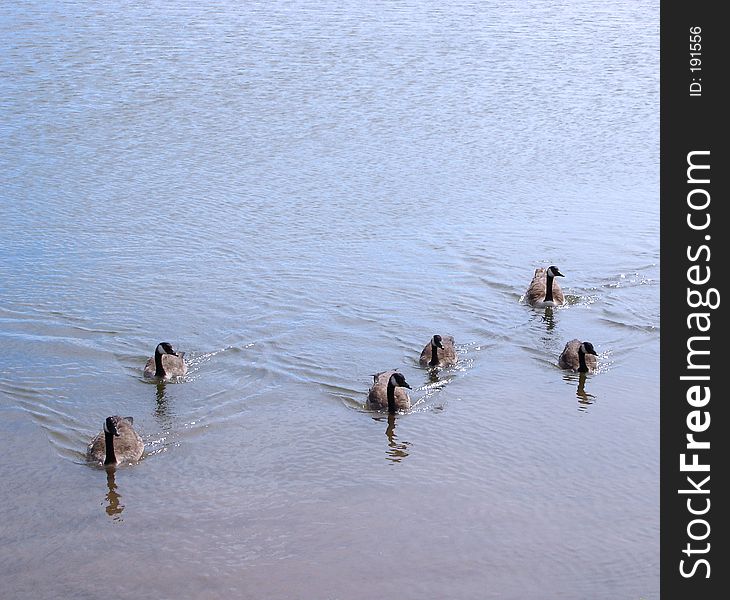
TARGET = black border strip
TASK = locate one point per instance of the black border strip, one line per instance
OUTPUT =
(693, 128)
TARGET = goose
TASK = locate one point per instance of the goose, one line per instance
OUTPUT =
(166, 363)
(543, 290)
(387, 392)
(578, 356)
(117, 443)
(439, 352)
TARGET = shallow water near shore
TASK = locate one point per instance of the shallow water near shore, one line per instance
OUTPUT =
(299, 195)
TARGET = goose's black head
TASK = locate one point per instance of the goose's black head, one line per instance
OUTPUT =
(110, 426)
(554, 271)
(166, 348)
(437, 341)
(589, 349)
(399, 380)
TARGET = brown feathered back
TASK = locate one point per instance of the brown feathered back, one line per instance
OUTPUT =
(128, 445)
(535, 294)
(569, 358)
(173, 363)
(446, 355)
(378, 394)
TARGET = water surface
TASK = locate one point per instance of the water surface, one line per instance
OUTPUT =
(299, 195)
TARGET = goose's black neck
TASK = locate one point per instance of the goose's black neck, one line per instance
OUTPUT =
(391, 397)
(159, 369)
(582, 366)
(110, 458)
(434, 355)
(549, 288)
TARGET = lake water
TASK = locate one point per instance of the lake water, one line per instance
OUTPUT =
(298, 195)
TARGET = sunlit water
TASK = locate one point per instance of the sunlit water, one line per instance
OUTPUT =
(299, 195)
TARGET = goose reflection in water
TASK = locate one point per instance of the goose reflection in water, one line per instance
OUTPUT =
(162, 410)
(549, 318)
(160, 395)
(584, 398)
(397, 451)
(113, 506)
(433, 376)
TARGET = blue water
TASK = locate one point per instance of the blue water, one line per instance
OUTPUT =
(299, 195)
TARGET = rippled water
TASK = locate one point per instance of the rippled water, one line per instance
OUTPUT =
(298, 195)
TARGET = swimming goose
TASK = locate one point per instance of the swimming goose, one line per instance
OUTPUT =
(388, 392)
(578, 356)
(117, 443)
(439, 352)
(166, 363)
(543, 290)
